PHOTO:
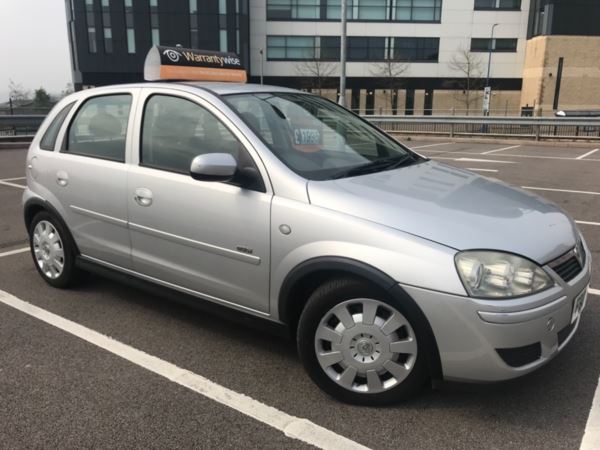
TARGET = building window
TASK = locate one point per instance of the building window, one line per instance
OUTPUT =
(330, 48)
(293, 9)
(366, 48)
(511, 5)
(369, 10)
(194, 23)
(494, 45)
(334, 9)
(91, 26)
(416, 49)
(291, 47)
(417, 10)
(129, 28)
(154, 22)
(223, 42)
(106, 27)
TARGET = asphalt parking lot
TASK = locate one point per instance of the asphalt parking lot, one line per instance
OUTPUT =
(60, 390)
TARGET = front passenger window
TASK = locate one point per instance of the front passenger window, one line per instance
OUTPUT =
(176, 130)
(100, 127)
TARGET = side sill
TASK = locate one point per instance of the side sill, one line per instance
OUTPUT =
(131, 278)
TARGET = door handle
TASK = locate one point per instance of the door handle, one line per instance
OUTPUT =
(143, 196)
(62, 178)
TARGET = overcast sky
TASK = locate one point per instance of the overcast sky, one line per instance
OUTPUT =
(34, 48)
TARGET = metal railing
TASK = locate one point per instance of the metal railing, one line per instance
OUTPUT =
(537, 128)
(19, 127)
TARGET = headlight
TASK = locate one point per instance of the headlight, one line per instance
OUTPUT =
(490, 274)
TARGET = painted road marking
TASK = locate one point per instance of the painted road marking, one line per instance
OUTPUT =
(13, 179)
(499, 149)
(14, 252)
(481, 170)
(293, 427)
(594, 292)
(484, 160)
(6, 183)
(560, 190)
(588, 153)
(433, 145)
(591, 435)
(564, 158)
(583, 222)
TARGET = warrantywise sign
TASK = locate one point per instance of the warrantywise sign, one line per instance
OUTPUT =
(177, 63)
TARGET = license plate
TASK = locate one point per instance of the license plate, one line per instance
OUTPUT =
(578, 305)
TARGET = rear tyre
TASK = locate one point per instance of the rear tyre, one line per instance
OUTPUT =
(361, 346)
(53, 250)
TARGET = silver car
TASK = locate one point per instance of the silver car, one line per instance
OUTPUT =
(391, 270)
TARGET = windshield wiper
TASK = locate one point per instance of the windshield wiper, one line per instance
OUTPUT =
(375, 166)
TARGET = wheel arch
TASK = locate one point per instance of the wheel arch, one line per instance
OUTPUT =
(35, 205)
(308, 275)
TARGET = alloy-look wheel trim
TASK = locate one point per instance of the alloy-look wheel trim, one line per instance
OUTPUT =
(365, 345)
(48, 249)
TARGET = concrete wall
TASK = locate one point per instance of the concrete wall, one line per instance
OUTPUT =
(580, 85)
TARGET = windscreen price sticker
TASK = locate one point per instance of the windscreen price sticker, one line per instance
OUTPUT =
(307, 136)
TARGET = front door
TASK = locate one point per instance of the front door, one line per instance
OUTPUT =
(210, 238)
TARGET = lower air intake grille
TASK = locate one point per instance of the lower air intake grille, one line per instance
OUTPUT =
(520, 356)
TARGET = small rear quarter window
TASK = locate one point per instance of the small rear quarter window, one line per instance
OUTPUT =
(49, 138)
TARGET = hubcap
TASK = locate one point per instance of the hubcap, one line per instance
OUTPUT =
(365, 345)
(48, 249)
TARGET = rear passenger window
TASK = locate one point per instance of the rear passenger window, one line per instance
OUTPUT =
(100, 127)
(49, 138)
(176, 130)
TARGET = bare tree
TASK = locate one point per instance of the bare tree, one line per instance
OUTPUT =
(390, 71)
(470, 66)
(17, 93)
(317, 72)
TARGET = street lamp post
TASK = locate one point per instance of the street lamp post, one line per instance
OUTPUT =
(261, 65)
(487, 94)
(342, 99)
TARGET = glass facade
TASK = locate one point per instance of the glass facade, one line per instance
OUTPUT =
(106, 26)
(360, 48)
(129, 26)
(155, 31)
(91, 26)
(495, 45)
(357, 10)
(511, 5)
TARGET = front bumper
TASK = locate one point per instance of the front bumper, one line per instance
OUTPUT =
(493, 340)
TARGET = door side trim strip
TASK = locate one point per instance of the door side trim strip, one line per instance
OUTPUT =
(244, 257)
(176, 287)
(99, 216)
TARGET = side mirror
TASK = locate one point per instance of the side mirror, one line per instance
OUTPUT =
(213, 167)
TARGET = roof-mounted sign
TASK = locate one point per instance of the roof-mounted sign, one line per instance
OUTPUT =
(177, 63)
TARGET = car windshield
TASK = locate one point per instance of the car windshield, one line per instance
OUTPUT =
(316, 138)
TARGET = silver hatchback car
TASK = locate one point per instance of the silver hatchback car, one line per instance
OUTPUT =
(390, 269)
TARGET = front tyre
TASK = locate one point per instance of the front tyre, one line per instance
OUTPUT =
(359, 346)
(52, 250)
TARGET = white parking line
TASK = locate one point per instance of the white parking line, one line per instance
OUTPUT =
(433, 145)
(13, 179)
(499, 149)
(484, 160)
(594, 292)
(14, 252)
(564, 158)
(591, 435)
(6, 183)
(293, 427)
(560, 190)
(588, 153)
(583, 222)
(476, 169)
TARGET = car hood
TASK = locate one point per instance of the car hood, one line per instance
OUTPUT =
(453, 207)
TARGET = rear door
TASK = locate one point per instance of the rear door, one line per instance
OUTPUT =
(88, 176)
(211, 238)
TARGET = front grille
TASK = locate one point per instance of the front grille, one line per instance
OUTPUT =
(569, 265)
(520, 356)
